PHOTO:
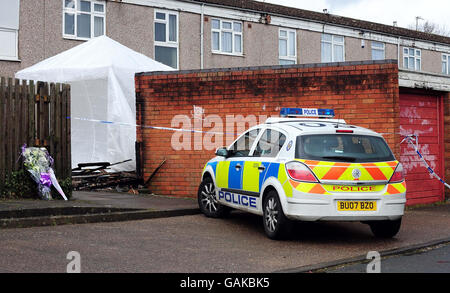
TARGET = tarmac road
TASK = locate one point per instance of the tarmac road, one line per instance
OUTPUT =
(427, 260)
(199, 244)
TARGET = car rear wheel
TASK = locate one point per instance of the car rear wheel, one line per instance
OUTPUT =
(276, 224)
(207, 200)
(385, 229)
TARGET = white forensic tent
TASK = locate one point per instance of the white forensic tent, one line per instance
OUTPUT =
(101, 75)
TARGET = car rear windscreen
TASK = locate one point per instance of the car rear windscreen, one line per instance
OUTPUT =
(343, 148)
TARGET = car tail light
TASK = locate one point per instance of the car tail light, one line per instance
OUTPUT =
(300, 172)
(344, 131)
(399, 175)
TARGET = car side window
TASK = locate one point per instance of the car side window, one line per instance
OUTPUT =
(270, 144)
(241, 148)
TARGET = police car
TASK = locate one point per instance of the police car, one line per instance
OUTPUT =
(297, 167)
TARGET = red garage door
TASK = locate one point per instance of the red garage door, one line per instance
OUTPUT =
(421, 114)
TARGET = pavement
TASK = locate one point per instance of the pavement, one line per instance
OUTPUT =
(314, 247)
(92, 207)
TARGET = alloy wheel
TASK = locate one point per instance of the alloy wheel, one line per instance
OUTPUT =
(271, 214)
(208, 198)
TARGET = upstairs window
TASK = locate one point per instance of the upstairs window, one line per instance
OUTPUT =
(332, 48)
(9, 30)
(166, 38)
(412, 59)
(226, 36)
(287, 46)
(378, 51)
(84, 19)
(445, 64)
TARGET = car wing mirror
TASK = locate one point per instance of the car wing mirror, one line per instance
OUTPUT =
(222, 152)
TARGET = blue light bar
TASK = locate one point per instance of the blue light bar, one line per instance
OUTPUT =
(306, 112)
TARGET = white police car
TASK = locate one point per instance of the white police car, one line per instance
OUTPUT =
(297, 168)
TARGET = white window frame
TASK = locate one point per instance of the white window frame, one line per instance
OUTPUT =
(333, 43)
(379, 49)
(75, 11)
(220, 30)
(11, 29)
(16, 45)
(417, 57)
(167, 43)
(288, 57)
(446, 59)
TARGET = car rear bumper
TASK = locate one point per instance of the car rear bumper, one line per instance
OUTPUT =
(325, 207)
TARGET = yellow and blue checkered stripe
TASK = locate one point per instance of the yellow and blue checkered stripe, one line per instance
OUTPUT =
(250, 178)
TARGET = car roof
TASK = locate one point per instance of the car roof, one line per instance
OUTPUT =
(316, 126)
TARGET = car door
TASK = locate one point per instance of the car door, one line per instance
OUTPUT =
(229, 171)
(263, 162)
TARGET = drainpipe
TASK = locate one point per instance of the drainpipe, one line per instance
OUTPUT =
(398, 52)
(201, 35)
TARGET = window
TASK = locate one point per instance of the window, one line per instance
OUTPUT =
(332, 48)
(166, 38)
(378, 51)
(412, 59)
(226, 36)
(270, 144)
(9, 30)
(83, 19)
(241, 148)
(445, 64)
(287, 46)
(342, 147)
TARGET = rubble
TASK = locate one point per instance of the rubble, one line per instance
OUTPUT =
(95, 176)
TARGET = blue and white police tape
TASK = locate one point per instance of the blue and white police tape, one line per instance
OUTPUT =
(413, 141)
(149, 126)
(408, 138)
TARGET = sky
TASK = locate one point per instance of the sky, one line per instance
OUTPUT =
(380, 11)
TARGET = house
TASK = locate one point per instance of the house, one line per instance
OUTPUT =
(205, 34)
(200, 34)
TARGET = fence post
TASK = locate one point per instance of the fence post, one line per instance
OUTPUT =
(69, 135)
(8, 125)
(2, 133)
(31, 114)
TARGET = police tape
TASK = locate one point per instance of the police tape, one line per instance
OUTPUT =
(148, 126)
(414, 142)
(408, 138)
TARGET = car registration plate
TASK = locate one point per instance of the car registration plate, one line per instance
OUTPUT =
(348, 205)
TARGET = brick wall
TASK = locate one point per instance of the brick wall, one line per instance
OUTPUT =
(362, 93)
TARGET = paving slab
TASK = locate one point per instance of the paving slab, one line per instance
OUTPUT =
(92, 207)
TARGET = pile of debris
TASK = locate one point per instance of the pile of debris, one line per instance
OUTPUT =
(95, 176)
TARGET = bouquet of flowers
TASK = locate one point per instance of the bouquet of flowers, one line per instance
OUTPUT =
(39, 163)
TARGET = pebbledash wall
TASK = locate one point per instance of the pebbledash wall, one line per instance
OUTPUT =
(363, 93)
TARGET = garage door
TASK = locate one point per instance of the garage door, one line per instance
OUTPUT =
(420, 114)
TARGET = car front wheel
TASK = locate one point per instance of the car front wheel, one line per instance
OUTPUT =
(207, 200)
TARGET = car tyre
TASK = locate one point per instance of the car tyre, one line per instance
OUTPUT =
(207, 200)
(385, 229)
(276, 225)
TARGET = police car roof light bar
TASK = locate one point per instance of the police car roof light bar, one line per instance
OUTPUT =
(307, 112)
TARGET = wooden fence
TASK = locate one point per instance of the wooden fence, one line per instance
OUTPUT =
(34, 114)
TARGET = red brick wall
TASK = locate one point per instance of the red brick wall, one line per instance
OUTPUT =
(362, 93)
